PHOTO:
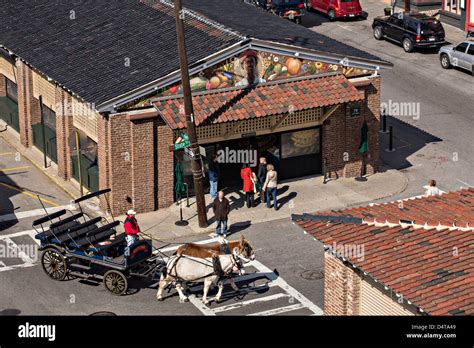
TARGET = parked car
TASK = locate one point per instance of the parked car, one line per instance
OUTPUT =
(289, 9)
(461, 56)
(414, 30)
(336, 8)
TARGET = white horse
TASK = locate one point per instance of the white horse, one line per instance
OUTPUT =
(197, 270)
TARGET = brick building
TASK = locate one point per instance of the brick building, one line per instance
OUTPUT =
(122, 97)
(410, 257)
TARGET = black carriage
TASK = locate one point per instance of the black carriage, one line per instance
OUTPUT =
(82, 246)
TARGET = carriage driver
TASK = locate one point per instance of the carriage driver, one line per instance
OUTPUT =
(131, 229)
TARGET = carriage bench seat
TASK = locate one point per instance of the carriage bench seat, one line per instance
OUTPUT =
(59, 227)
(95, 236)
(77, 231)
(119, 240)
(49, 217)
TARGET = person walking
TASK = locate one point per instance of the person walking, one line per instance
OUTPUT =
(221, 209)
(270, 186)
(131, 230)
(262, 176)
(214, 173)
(432, 189)
(249, 188)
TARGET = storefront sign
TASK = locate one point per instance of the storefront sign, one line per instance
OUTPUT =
(182, 142)
(248, 135)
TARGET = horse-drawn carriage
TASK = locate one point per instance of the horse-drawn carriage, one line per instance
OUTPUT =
(82, 246)
(78, 245)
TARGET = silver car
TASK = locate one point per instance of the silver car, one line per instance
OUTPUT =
(461, 56)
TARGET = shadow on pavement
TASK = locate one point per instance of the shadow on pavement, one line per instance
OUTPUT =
(407, 140)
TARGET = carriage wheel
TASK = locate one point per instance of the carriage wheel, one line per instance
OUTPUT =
(115, 282)
(54, 264)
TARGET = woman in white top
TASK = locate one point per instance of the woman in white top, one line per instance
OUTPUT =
(432, 189)
(270, 186)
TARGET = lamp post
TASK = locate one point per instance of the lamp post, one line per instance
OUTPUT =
(188, 110)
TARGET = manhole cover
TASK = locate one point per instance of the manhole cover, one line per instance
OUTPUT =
(104, 313)
(312, 275)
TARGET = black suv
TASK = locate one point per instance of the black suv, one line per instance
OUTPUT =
(414, 30)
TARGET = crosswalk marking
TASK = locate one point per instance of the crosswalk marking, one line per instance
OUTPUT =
(27, 261)
(249, 302)
(31, 213)
(280, 310)
(263, 272)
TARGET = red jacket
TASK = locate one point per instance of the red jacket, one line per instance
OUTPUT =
(131, 226)
(246, 174)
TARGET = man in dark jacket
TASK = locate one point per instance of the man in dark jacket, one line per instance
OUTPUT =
(221, 209)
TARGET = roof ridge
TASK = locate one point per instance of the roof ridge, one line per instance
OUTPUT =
(201, 18)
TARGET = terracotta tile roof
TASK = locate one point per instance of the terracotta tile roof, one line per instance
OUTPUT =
(433, 268)
(263, 100)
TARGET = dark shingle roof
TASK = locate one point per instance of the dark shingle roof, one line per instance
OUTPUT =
(259, 24)
(88, 54)
(431, 266)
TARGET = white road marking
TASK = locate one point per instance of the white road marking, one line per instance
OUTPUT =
(249, 302)
(31, 213)
(27, 261)
(263, 272)
(464, 183)
(280, 310)
(345, 28)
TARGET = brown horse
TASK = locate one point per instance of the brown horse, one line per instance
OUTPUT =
(216, 248)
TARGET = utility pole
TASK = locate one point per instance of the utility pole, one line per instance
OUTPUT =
(188, 110)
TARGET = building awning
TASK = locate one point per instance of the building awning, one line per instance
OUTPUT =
(266, 99)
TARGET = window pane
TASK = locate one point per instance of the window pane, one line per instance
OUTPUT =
(300, 143)
(461, 47)
(471, 50)
(12, 90)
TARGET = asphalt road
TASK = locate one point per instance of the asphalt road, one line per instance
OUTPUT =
(287, 279)
(434, 139)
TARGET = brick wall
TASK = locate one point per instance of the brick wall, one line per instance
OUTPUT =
(165, 166)
(342, 133)
(135, 162)
(28, 106)
(3, 86)
(341, 288)
(63, 130)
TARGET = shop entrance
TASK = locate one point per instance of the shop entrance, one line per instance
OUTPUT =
(294, 154)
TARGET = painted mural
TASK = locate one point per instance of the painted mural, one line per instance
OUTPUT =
(257, 67)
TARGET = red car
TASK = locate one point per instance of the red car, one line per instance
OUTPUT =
(336, 8)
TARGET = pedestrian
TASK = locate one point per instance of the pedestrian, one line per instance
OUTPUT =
(131, 230)
(432, 189)
(221, 209)
(214, 173)
(249, 188)
(270, 186)
(262, 176)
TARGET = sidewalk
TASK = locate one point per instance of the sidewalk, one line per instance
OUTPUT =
(295, 197)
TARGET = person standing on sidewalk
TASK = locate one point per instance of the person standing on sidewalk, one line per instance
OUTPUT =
(131, 230)
(262, 176)
(249, 188)
(214, 173)
(221, 209)
(270, 186)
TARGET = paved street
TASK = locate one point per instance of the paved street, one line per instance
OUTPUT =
(287, 275)
(437, 144)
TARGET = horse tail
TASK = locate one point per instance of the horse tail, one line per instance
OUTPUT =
(164, 273)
